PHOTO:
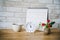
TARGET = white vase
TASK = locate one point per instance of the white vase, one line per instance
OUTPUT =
(30, 27)
(15, 28)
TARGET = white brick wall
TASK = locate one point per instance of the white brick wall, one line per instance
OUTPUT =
(13, 0)
(1, 2)
(13, 3)
(54, 7)
(7, 14)
(56, 1)
(14, 11)
(1, 8)
(2, 19)
(45, 1)
(5, 25)
(20, 15)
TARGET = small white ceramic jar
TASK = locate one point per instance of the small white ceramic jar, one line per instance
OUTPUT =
(15, 28)
(30, 27)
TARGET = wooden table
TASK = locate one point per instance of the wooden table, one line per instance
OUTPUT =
(6, 34)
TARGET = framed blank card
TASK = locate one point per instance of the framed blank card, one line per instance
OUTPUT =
(35, 16)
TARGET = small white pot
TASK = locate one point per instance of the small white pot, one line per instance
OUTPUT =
(30, 27)
(15, 28)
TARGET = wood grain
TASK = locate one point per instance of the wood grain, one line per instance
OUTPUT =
(6, 34)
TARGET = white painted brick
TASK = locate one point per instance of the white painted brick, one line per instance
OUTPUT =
(53, 17)
(1, 8)
(16, 20)
(38, 1)
(13, 0)
(37, 5)
(54, 14)
(15, 10)
(30, 1)
(58, 11)
(24, 20)
(50, 11)
(53, 6)
(57, 21)
(5, 25)
(2, 14)
(27, 5)
(12, 9)
(6, 14)
(13, 3)
(10, 3)
(21, 21)
(24, 10)
(20, 14)
(1, 3)
(55, 25)
(12, 19)
(56, 1)
(45, 1)
(2, 19)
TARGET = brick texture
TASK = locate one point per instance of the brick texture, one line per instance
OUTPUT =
(14, 11)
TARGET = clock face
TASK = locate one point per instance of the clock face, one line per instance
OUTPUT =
(30, 27)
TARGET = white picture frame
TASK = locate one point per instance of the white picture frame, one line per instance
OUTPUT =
(35, 16)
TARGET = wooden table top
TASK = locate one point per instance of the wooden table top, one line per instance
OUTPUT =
(6, 34)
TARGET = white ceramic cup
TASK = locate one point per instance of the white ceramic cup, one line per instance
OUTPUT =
(15, 28)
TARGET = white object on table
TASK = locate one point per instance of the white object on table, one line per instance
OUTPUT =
(15, 28)
(30, 27)
(36, 16)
